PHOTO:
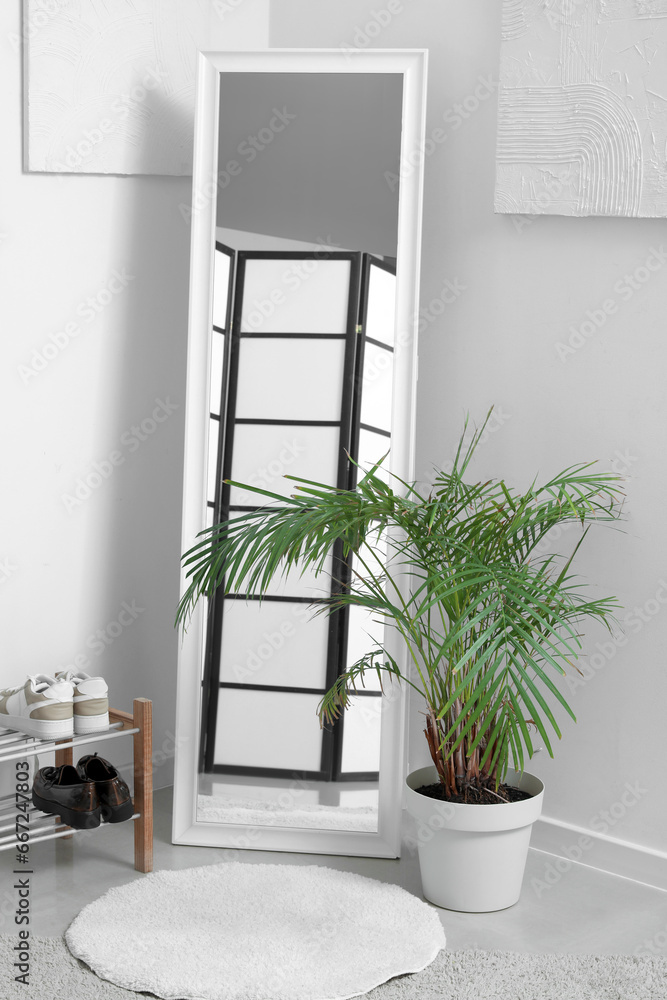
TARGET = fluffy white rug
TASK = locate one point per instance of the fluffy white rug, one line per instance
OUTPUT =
(454, 975)
(255, 932)
(224, 809)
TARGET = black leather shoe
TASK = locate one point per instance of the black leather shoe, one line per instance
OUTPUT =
(63, 792)
(113, 793)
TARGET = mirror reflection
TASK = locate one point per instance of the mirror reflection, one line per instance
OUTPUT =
(301, 364)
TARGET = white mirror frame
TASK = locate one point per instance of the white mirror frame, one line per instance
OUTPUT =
(412, 65)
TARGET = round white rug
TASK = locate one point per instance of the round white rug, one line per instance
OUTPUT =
(255, 932)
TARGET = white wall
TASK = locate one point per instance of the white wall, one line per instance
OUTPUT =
(67, 568)
(309, 172)
(519, 289)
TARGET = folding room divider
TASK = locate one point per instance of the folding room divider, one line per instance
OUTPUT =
(301, 376)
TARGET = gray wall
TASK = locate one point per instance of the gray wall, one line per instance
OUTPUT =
(521, 286)
(315, 171)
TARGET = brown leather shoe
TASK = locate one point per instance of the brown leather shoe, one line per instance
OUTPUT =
(113, 793)
(62, 792)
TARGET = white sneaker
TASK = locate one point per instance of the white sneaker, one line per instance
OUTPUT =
(41, 707)
(91, 701)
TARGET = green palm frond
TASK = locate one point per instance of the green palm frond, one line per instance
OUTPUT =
(489, 618)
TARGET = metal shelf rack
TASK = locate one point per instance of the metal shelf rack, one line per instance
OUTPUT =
(44, 826)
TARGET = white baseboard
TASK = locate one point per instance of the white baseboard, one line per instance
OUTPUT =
(597, 850)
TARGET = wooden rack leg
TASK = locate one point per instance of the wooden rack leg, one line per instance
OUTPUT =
(143, 785)
(64, 757)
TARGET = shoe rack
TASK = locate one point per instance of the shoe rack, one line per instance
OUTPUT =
(45, 826)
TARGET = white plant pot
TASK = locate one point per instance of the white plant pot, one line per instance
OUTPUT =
(472, 857)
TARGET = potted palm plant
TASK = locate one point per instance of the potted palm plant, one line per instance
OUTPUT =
(488, 619)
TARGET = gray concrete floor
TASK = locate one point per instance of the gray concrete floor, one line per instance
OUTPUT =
(584, 911)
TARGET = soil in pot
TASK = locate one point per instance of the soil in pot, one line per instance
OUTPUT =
(476, 796)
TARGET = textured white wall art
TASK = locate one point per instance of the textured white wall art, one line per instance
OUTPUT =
(110, 84)
(582, 108)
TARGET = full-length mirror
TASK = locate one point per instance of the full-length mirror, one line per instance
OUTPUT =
(301, 363)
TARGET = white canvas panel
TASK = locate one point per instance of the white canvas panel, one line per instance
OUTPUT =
(213, 436)
(290, 731)
(222, 263)
(380, 318)
(582, 108)
(111, 85)
(264, 454)
(361, 735)
(283, 379)
(295, 296)
(373, 448)
(376, 387)
(273, 642)
(217, 369)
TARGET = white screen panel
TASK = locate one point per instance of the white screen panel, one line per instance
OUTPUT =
(217, 363)
(361, 735)
(209, 523)
(268, 729)
(293, 584)
(264, 454)
(273, 643)
(295, 296)
(364, 629)
(291, 379)
(380, 317)
(372, 447)
(213, 434)
(376, 388)
(221, 266)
